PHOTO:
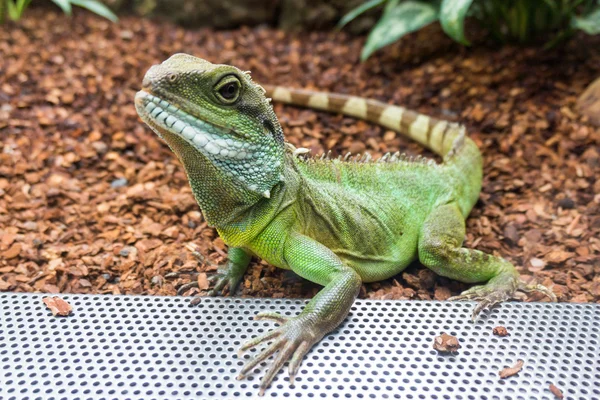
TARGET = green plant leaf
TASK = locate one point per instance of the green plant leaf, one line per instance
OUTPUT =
(396, 22)
(11, 9)
(65, 5)
(452, 18)
(589, 23)
(15, 9)
(22, 6)
(97, 8)
(359, 10)
(2, 10)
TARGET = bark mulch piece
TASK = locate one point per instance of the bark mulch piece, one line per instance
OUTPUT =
(500, 331)
(556, 392)
(58, 306)
(446, 343)
(511, 371)
(91, 201)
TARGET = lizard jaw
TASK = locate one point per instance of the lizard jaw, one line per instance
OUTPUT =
(166, 119)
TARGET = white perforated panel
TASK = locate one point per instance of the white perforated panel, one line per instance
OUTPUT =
(135, 347)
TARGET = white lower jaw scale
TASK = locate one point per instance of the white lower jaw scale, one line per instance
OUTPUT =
(157, 110)
(162, 118)
(212, 148)
(200, 140)
(150, 107)
(178, 126)
(170, 120)
(189, 133)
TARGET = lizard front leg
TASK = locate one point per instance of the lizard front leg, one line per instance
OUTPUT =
(440, 250)
(296, 335)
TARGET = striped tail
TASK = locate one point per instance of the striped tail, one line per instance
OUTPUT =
(444, 138)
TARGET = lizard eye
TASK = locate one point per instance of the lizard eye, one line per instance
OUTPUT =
(228, 89)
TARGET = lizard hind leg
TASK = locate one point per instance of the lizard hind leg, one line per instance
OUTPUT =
(440, 250)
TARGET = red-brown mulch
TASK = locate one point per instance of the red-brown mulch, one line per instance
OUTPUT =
(446, 343)
(91, 201)
(511, 371)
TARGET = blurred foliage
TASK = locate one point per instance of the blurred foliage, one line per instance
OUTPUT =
(14, 9)
(518, 21)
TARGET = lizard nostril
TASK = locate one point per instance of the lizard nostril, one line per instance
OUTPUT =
(172, 77)
(150, 77)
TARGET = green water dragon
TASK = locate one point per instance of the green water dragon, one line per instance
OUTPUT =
(337, 222)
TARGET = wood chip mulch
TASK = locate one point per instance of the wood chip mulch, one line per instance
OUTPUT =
(556, 392)
(58, 306)
(500, 331)
(511, 371)
(446, 343)
(91, 201)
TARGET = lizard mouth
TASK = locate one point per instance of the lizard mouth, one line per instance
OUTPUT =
(166, 119)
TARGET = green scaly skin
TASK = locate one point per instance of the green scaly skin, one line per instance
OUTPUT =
(337, 223)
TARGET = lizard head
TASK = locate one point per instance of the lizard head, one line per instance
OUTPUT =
(216, 120)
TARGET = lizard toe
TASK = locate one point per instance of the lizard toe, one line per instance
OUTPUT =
(271, 316)
(487, 302)
(487, 296)
(219, 281)
(184, 288)
(528, 288)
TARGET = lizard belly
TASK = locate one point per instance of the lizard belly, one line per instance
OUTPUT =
(376, 267)
(377, 239)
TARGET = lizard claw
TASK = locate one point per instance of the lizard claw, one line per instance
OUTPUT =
(495, 292)
(293, 339)
(222, 280)
(194, 284)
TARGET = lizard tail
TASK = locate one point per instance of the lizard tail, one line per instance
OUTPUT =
(447, 139)
(437, 135)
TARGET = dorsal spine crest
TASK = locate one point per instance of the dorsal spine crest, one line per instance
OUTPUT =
(388, 158)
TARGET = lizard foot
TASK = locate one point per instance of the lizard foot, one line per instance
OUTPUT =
(227, 276)
(221, 280)
(486, 295)
(293, 339)
(497, 291)
(224, 279)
